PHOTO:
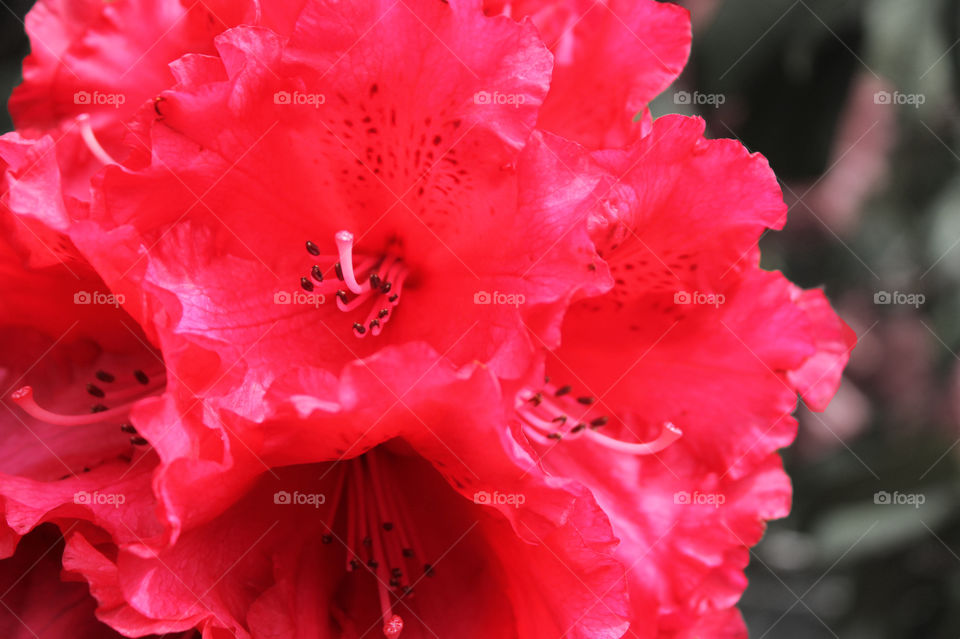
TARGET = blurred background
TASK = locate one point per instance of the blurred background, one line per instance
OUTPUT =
(855, 104)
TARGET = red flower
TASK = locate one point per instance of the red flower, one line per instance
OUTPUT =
(377, 536)
(672, 413)
(414, 201)
(343, 244)
(611, 58)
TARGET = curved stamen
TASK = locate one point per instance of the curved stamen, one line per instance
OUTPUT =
(552, 414)
(668, 435)
(90, 139)
(23, 397)
(344, 240)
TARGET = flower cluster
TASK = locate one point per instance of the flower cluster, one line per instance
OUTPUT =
(339, 319)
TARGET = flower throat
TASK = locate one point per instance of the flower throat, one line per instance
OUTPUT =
(374, 282)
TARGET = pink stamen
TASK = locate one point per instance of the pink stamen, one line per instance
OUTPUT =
(23, 397)
(382, 577)
(344, 240)
(668, 435)
(90, 139)
(553, 414)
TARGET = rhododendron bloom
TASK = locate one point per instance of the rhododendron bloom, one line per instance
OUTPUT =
(673, 413)
(375, 514)
(405, 335)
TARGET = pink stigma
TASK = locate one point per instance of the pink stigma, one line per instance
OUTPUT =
(393, 628)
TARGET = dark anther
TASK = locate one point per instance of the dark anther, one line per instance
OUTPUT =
(128, 428)
(98, 408)
(546, 379)
(374, 323)
(394, 583)
(396, 573)
(536, 399)
(104, 376)
(327, 539)
(339, 271)
(563, 390)
(407, 552)
(358, 327)
(386, 288)
(393, 298)
(355, 564)
(556, 436)
(383, 313)
(407, 590)
(388, 526)
(428, 570)
(367, 542)
(578, 428)
(586, 400)
(312, 248)
(373, 564)
(95, 390)
(137, 440)
(141, 377)
(562, 419)
(342, 294)
(374, 280)
(598, 422)
(316, 273)
(306, 284)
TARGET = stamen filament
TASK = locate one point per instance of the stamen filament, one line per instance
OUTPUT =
(90, 139)
(344, 240)
(23, 397)
(668, 435)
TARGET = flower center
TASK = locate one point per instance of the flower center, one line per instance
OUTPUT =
(379, 537)
(374, 282)
(554, 413)
(122, 395)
